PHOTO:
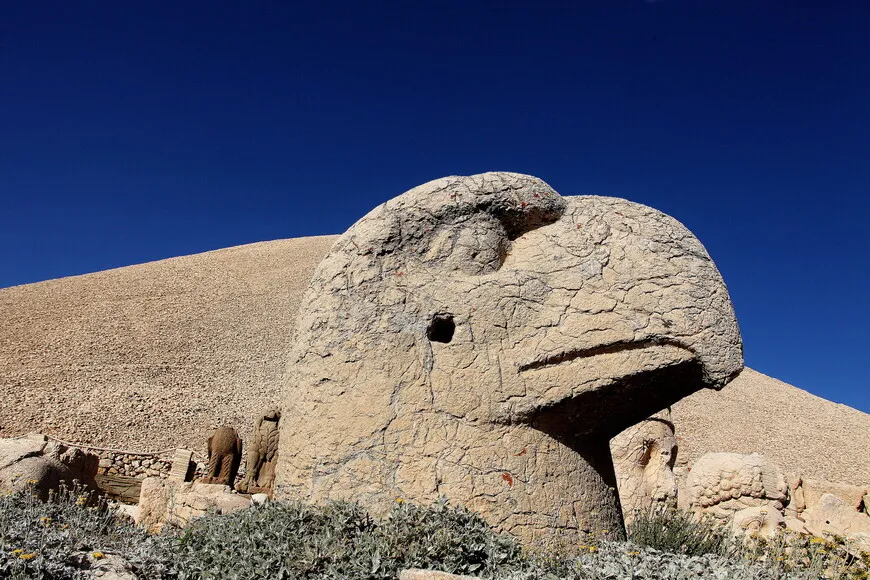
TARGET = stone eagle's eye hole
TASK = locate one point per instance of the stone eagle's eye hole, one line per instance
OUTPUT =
(441, 328)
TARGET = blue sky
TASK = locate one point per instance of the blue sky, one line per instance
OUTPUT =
(139, 131)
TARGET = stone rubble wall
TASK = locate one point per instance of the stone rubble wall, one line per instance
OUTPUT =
(141, 465)
(134, 465)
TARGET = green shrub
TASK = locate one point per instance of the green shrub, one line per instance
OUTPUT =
(278, 540)
(678, 532)
(787, 555)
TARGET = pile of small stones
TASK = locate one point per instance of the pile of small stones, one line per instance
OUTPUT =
(131, 465)
(145, 465)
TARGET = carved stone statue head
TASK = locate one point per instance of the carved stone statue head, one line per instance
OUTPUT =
(644, 456)
(482, 338)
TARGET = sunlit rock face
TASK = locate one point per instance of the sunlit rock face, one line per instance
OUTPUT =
(721, 484)
(482, 338)
(643, 457)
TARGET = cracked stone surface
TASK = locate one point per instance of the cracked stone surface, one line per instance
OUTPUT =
(482, 338)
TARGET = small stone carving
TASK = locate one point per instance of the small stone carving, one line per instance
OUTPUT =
(759, 500)
(483, 338)
(721, 484)
(796, 503)
(224, 457)
(644, 456)
(759, 521)
(262, 454)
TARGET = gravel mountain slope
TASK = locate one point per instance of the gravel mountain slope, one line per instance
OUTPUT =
(153, 356)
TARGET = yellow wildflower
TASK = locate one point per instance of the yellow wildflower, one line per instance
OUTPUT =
(29, 556)
(98, 555)
(593, 549)
(16, 552)
(45, 519)
(817, 541)
(399, 500)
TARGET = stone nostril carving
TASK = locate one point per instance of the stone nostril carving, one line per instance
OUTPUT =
(578, 318)
(441, 328)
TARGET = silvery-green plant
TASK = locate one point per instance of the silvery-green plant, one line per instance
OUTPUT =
(339, 540)
(51, 539)
(679, 532)
(63, 537)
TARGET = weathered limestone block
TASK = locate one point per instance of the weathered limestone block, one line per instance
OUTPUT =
(832, 514)
(814, 489)
(761, 521)
(483, 338)
(644, 456)
(183, 466)
(107, 567)
(224, 457)
(721, 484)
(262, 454)
(796, 525)
(173, 502)
(34, 460)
